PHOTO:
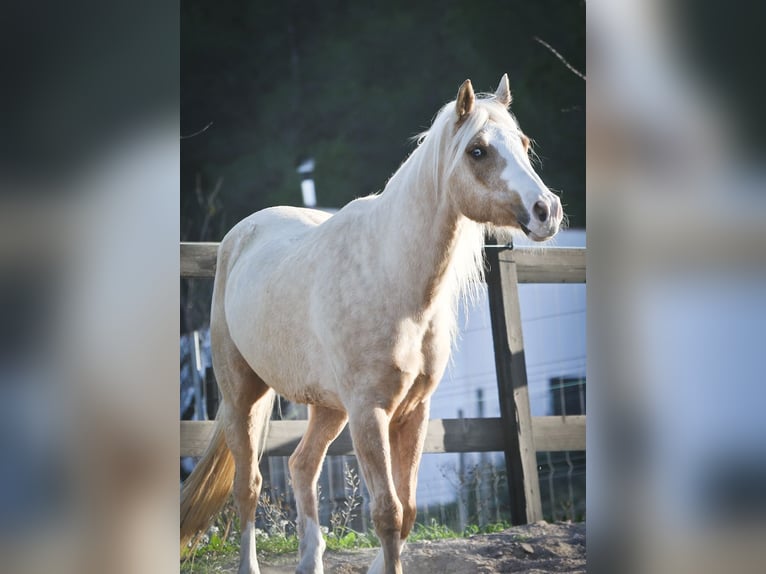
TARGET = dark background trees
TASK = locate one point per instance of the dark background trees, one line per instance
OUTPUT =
(349, 83)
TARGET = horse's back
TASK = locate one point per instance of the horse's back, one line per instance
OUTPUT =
(265, 237)
(273, 224)
(253, 253)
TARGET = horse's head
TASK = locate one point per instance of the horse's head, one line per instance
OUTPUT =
(492, 179)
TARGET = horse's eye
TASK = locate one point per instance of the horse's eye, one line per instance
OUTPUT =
(478, 152)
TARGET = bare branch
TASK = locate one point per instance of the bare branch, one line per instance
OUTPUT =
(560, 57)
(198, 132)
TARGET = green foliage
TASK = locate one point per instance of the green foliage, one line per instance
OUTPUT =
(491, 528)
(350, 82)
(216, 545)
(277, 544)
(341, 518)
(431, 531)
(351, 540)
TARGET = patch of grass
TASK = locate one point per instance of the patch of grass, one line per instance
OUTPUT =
(490, 528)
(431, 531)
(210, 550)
(214, 551)
(210, 563)
(351, 540)
(220, 542)
(436, 531)
(277, 544)
(219, 547)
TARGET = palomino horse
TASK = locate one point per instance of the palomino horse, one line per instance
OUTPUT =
(355, 314)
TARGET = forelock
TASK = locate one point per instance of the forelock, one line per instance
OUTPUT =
(452, 143)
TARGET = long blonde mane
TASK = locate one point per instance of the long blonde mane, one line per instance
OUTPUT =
(438, 154)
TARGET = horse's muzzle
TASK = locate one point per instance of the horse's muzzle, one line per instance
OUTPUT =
(545, 219)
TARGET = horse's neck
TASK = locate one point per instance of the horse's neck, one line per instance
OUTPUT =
(423, 234)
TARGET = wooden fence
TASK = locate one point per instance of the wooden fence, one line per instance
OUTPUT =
(518, 434)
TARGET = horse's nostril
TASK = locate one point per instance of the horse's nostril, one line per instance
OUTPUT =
(541, 211)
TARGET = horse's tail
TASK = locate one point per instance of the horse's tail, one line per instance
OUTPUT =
(206, 488)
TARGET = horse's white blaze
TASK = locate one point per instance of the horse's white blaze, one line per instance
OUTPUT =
(248, 563)
(520, 177)
(313, 546)
(518, 173)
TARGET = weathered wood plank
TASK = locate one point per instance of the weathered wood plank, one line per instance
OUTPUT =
(198, 259)
(534, 264)
(550, 264)
(444, 435)
(510, 365)
(559, 433)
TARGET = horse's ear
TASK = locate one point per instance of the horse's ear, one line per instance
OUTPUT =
(503, 93)
(465, 100)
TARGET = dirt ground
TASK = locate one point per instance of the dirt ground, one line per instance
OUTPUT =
(537, 548)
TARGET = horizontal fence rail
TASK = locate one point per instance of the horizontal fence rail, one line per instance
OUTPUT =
(534, 264)
(552, 433)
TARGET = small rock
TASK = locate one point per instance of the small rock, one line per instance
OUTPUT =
(527, 548)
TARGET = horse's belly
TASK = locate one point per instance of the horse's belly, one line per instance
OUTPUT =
(313, 395)
(282, 351)
(431, 355)
(293, 371)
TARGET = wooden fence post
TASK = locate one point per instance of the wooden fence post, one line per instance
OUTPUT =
(520, 454)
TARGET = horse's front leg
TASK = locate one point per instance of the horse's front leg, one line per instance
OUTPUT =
(305, 465)
(407, 436)
(369, 427)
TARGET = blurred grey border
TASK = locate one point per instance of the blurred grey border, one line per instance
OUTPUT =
(89, 185)
(676, 429)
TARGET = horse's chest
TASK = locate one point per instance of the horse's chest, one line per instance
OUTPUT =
(424, 357)
(420, 389)
(417, 348)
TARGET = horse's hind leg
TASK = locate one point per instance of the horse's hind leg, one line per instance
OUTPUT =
(247, 401)
(243, 438)
(305, 465)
